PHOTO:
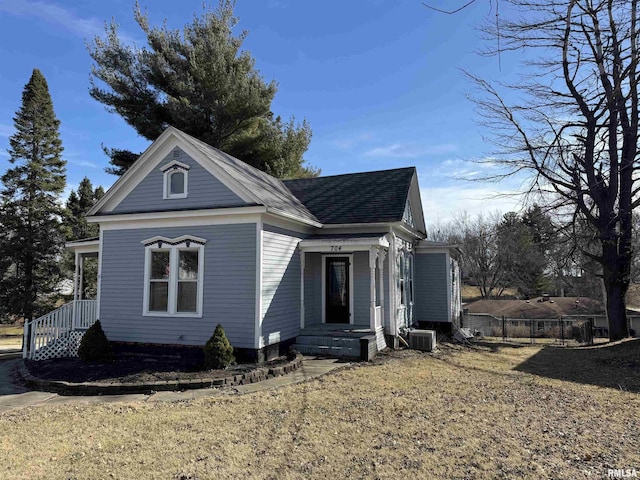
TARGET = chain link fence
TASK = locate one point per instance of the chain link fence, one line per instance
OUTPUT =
(583, 331)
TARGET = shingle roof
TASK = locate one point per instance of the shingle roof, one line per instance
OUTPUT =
(369, 197)
(268, 190)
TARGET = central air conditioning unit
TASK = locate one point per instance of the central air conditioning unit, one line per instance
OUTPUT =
(424, 340)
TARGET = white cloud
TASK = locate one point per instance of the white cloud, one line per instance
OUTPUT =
(467, 169)
(55, 14)
(410, 150)
(442, 204)
(82, 163)
(87, 28)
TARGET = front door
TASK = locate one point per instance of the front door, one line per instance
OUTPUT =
(337, 290)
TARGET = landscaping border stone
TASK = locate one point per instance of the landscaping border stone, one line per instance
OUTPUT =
(98, 388)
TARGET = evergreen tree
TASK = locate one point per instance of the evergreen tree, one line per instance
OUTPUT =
(77, 228)
(199, 81)
(32, 238)
(78, 204)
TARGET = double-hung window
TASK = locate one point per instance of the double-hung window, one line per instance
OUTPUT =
(173, 276)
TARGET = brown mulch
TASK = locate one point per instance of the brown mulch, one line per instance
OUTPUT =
(133, 368)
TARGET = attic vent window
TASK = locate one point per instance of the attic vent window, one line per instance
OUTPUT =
(177, 153)
(175, 180)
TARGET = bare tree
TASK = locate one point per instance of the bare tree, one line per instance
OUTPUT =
(576, 128)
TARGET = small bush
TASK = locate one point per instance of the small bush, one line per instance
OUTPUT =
(94, 345)
(218, 352)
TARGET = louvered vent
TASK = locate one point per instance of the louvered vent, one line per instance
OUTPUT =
(177, 153)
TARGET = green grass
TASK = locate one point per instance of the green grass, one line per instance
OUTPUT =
(489, 411)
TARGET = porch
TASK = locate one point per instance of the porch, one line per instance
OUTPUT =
(58, 333)
(342, 298)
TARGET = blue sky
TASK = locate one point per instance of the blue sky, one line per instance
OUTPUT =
(379, 82)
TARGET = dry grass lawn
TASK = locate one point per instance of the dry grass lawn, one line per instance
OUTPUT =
(10, 336)
(491, 411)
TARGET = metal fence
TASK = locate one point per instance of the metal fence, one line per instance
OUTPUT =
(548, 330)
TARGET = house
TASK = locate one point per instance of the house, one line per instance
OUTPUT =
(191, 237)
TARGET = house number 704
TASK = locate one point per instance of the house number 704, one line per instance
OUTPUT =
(336, 248)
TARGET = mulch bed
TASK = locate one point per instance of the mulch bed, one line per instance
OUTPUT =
(137, 368)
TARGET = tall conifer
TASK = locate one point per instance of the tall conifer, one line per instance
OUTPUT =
(32, 239)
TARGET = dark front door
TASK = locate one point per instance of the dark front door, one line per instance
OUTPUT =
(337, 290)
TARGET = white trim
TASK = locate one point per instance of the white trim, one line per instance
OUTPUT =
(259, 340)
(173, 279)
(166, 184)
(337, 245)
(179, 219)
(173, 165)
(276, 220)
(160, 148)
(172, 214)
(333, 226)
(290, 216)
(174, 241)
(99, 287)
(324, 286)
(76, 275)
(393, 300)
(426, 251)
(92, 246)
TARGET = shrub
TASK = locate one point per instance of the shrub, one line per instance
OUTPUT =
(218, 352)
(94, 345)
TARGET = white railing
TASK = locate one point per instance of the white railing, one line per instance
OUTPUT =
(378, 317)
(85, 313)
(43, 331)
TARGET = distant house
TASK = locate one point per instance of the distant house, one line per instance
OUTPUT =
(191, 237)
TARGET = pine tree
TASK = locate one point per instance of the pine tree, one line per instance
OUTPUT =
(76, 227)
(78, 204)
(200, 81)
(31, 239)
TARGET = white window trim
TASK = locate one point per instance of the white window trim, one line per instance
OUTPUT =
(168, 170)
(352, 319)
(173, 246)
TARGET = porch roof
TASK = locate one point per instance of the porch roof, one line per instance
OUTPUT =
(86, 245)
(344, 243)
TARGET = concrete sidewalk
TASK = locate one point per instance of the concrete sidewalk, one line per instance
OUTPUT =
(14, 395)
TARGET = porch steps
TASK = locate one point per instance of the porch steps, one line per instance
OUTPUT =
(331, 346)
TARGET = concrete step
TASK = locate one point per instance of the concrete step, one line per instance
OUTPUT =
(347, 347)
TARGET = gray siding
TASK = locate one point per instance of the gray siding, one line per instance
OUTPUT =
(280, 284)
(361, 289)
(203, 190)
(312, 289)
(229, 287)
(430, 287)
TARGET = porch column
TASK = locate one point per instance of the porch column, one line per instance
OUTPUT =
(76, 275)
(302, 258)
(76, 288)
(373, 256)
(381, 256)
(81, 277)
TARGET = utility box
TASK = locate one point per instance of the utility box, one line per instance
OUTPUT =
(424, 340)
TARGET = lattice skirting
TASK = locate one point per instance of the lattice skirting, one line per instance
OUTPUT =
(65, 346)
